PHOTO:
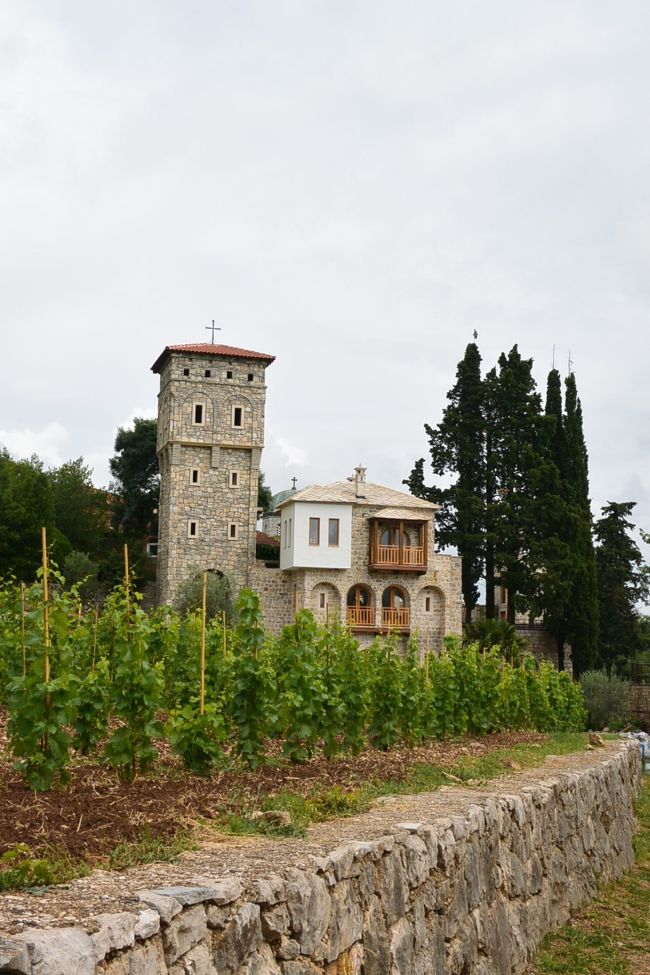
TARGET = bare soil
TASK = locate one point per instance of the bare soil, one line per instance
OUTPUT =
(96, 812)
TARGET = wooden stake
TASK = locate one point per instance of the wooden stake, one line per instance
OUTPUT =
(46, 609)
(204, 587)
(223, 632)
(95, 635)
(22, 625)
(127, 582)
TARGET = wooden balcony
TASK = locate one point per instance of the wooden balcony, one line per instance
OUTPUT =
(394, 557)
(361, 617)
(398, 546)
(395, 619)
(366, 618)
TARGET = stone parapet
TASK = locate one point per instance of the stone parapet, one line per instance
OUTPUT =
(461, 881)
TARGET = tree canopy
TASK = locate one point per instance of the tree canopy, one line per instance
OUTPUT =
(517, 509)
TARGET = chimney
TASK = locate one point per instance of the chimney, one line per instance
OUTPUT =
(359, 481)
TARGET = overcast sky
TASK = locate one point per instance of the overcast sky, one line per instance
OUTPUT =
(353, 187)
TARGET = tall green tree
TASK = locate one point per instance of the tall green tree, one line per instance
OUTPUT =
(622, 583)
(136, 487)
(513, 408)
(25, 506)
(583, 613)
(456, 447)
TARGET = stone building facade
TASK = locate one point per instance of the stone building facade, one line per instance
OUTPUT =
(210, 439)
(389, 579)
(374, 568)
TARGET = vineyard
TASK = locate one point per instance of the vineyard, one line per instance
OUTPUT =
(111, 684)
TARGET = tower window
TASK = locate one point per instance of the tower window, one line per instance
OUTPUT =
(237, 415)
(192, 529)
(198, 414)
(195, 476)
(321, 600)
(186, 372)
(250, 377)
(314, 531)
(232, 530)
(234, 478)
(208, 373)
(427, 604)
(229, 374)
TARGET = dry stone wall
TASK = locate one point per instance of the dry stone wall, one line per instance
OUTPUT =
(469, 893)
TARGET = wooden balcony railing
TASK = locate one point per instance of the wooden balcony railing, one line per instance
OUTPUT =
(360, 617)
(393, 555)
(395, 619)
(365, 618)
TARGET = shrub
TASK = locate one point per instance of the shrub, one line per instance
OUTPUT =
(218, 595)
(606, 698)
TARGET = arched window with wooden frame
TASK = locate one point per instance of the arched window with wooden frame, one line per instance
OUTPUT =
(394, 609)
(360, 611)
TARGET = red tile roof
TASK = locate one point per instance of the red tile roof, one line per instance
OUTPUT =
(206, 348)
(263, 539)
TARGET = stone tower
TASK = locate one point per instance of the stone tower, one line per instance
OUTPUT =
(210, 439)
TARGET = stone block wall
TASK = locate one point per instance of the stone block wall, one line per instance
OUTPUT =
(639, 704)
(473, 892)
(216, 449)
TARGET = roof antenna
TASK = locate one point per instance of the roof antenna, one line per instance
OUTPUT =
(213, 328)
(293, 483)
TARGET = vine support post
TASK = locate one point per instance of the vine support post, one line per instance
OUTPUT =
(22, 626)
(127, 588)
(204, 586)
(95, 627)
(46, 610)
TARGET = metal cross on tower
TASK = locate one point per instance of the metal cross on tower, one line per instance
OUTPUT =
(213, 328)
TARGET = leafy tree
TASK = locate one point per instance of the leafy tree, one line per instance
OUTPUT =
(25, 506)
(136, 487)
(80, 570)
(621, 584)
(264, 494)
(457, 447)
(218, 595)
(81, 510)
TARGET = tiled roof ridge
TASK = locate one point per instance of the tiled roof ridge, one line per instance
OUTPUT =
(342, 492)
(207, 348)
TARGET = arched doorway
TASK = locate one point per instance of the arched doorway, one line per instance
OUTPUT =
(360, 612)
(394, 609)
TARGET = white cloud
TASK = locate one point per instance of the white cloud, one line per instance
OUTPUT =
(47, 443)
(293, 456)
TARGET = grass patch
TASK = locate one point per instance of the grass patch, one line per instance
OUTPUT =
(20, 869)
(611, 936)
(148, 849)
(336, 802)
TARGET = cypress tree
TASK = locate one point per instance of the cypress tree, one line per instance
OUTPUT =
(621, 583)
(515, 461)
(457, 447)
(552, 558)
(582, 611)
